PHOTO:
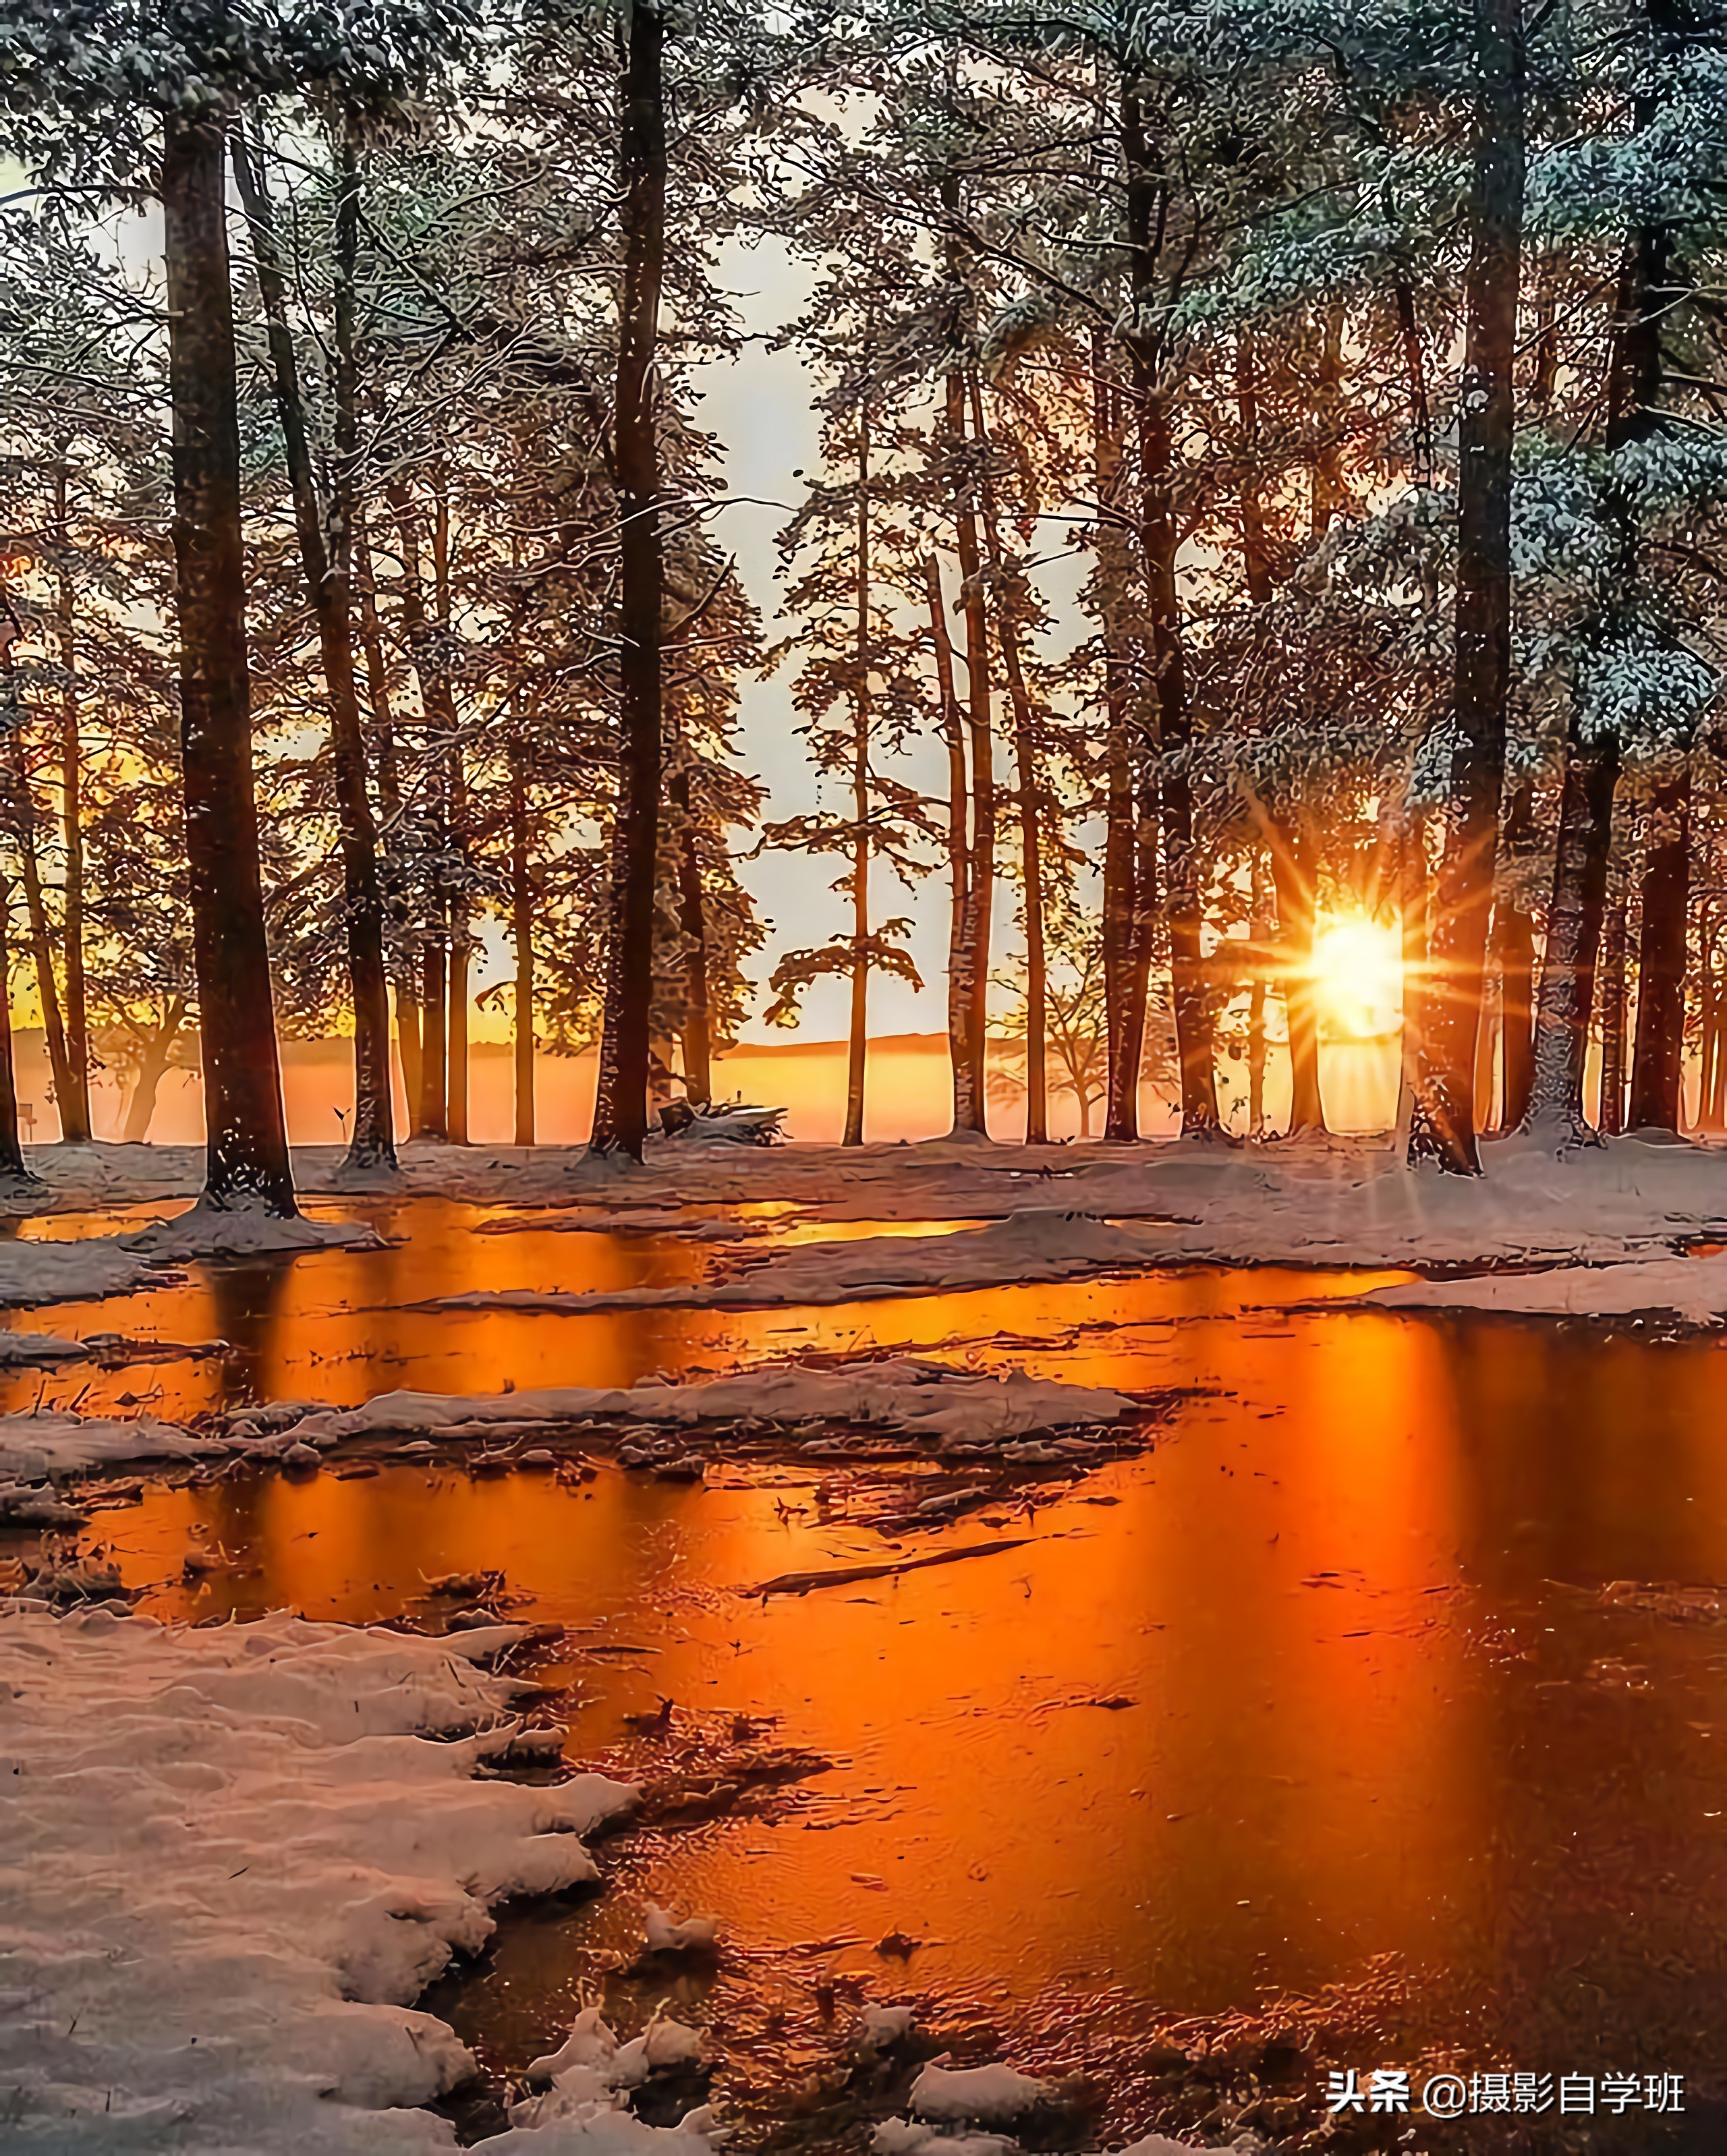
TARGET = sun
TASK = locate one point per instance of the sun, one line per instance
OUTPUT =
(1358, 972)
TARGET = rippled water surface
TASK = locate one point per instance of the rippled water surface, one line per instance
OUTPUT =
(1323, 1697)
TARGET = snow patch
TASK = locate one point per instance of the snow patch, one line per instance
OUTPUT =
(231, 1861)
(956, 1408)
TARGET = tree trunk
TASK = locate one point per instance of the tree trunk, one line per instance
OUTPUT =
(48, 992)
(1124, 1012)
(1160, 541)
(1516, 937)
(1263, 929)
(1708, 1029)
(12, 1152)
(696, 1037)
(328, 565)
(1574, 928)
(975, 932)
(434, 1040)
(1609, 1115)
(1487, 1042)
(1658, 1057)
(858, 1021)
(247, 1139)
(1293, 874)
(621, 1101)
(155, 1062)
(75, 1101)
(1028, 790)
(521, 931)
(438, 703)
(389, 794)
(1442, 1128)
(1413, 897)
(967, 1111)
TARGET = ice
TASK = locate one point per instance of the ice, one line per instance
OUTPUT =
(665, 1935)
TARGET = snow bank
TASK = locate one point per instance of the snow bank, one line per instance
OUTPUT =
(33, 1273)
(1694, 1290)
(35, 1446)
(230, 1859)
(922, 1398)
(210, 1231)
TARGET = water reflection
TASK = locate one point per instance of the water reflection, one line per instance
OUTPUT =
(1377, 1706)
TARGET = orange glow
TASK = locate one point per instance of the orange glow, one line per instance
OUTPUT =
(1358, 970)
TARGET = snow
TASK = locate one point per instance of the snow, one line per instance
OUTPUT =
(37, 1350)
(210, 1231)
(987, 2096)
(591, 2075)
(232, 1859)
(666, 1935)
(33, 1273)
(904, 2137)
(922, 1399)
(1694, 1290)
(35, 1449)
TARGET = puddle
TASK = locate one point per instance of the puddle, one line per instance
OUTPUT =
(1387, 1742)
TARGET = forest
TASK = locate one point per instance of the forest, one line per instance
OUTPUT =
(1132, 1603)
(362, 594)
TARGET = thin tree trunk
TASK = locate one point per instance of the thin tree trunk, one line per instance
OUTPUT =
(858, 1023)
(75, 1101)
(1487, 1042)
(1442, 1129)
(1610, 1115)
(1716, 1113)
(1028, 790)
(1574, 928)
(247, 1138)
(389, 794)
(1262, 933)
(1159, 539)
(1124, 1011)
(48, 992)
(1293, 878)
(621, 1100)
(1658, 1055)
(1413, 899)
(434, 1040)
(697, 1036)
(1708, 1032)
(521, 931)
(975, 932)
(456, 1076)
(327, 561)
(438, 703)
(1516, 937)
(12, 1152)
(967, 1111)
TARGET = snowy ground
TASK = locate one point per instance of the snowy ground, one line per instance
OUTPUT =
(1340, 1202)
(232, 1860)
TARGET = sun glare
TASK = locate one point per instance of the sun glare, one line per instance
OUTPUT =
(1358, 970)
